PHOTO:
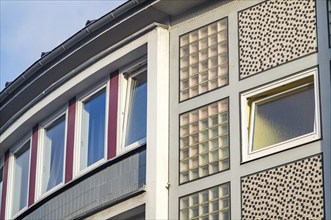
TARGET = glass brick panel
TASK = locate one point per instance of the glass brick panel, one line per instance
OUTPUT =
(204, 145)
(203, 60)
(212, 203)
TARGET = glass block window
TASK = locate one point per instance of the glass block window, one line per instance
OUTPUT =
(213, 203)
(204, 141)
(203, 60)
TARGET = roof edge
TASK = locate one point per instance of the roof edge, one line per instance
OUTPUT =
(68, 44)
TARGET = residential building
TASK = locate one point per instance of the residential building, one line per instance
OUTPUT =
(175, 110)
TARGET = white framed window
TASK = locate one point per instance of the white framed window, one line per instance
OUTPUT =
(52, 150)
(91, 140)
(133, 110)
(280, 115)
(19, 174)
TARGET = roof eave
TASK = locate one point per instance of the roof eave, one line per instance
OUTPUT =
(69, 43)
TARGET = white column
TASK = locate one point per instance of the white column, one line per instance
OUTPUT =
(157, 124)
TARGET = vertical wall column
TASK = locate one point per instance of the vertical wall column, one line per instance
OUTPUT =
(70, 140)
(324, 69)
(33, 165)
(157, 124)
(4, 186)
(112, 118)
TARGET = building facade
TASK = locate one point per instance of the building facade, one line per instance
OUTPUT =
(175, 110)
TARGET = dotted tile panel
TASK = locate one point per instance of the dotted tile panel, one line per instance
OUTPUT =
(292, 191)
(275, 32)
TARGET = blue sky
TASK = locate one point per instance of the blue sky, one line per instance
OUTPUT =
(31, 27)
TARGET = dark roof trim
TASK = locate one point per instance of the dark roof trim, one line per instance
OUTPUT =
(76, 38)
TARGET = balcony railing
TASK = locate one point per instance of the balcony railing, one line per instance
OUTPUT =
(109, 184)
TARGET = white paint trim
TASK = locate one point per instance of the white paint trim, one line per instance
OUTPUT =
(157, 171)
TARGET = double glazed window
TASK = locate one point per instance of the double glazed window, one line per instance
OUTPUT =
(93, 128)
(20, 178)
(137, 108)
(53, 154)
(281, 115)
(133, 106)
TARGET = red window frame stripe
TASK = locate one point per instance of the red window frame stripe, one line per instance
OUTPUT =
(33, 166)
(112, 118)
(70, 140)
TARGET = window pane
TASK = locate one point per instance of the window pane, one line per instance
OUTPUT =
(93, 130)
(284, 118)
(136, 127)
(21, 178)
(53, 155)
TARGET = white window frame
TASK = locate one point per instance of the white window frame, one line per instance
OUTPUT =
(104, 85)
(126, 76)
(247, 116)
(11, 163)
(40, 159)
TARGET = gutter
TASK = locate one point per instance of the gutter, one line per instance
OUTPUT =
(77, 70)
(80, 35)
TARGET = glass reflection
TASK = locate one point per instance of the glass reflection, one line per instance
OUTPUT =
(136, 125)
(93, 129)
(54, 154)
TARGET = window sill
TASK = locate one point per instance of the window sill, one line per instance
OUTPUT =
(133, 146)
(90, 168)
(44, 195)
(16, 215)
(286, 145)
